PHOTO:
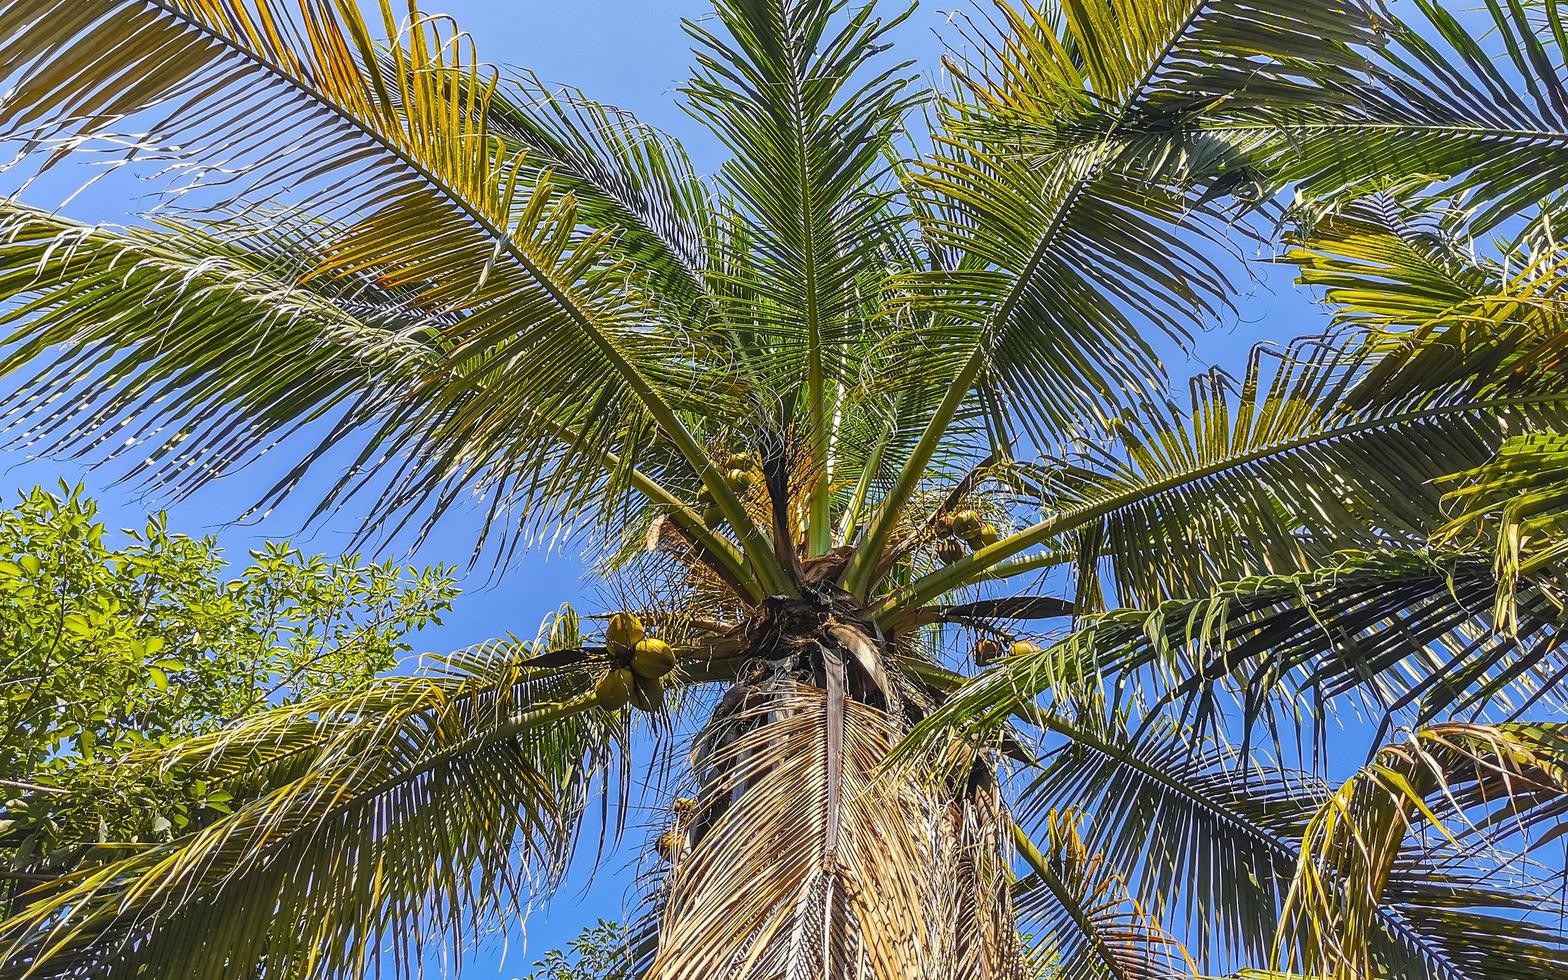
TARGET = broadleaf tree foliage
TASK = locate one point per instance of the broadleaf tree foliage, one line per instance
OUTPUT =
(968, 646)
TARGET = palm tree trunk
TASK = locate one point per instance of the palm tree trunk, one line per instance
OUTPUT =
(805, 858)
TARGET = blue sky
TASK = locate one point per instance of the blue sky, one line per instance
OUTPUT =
(634, 54)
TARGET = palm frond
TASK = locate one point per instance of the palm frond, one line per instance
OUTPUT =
(1211, 840)
(111, 322)
(421, 806)
(1077, 253)
(794, 90)
(1198, 841)
(1484, 108)
(1260, 95)
(1437, 310)
(1409, 637)
(1273, 477)
(404, 167)
(1068, 264)
(625, 175)
(1089, 925)
(1514, 500)
(1472, 785)
(195, 347)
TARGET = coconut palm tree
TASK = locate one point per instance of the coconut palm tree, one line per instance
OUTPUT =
(961, 647)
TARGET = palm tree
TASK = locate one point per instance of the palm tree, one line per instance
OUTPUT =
(991, 658)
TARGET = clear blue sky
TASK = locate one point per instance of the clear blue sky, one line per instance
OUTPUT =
(631, 53)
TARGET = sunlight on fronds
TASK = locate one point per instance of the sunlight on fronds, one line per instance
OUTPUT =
(423, 806)
(1094, 927)
(1454, 780)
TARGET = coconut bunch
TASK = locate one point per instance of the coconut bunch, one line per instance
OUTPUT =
(960, 532)
(742, 472)
(672, 843)
(638, 664)
(989, 650)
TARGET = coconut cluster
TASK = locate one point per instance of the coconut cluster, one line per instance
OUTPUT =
(672, 843)
(740, 473)
(638, 665)
(989, 651)
(960, 532)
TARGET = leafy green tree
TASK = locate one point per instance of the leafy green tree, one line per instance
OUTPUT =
(969, 646)
(597, 953)
(116, 647)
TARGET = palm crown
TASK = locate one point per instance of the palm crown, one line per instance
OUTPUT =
(882, 399)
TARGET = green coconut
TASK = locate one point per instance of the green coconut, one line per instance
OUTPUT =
(624, 632)
(615, 688)
(647, 693)
(966, 523)
(652, 658)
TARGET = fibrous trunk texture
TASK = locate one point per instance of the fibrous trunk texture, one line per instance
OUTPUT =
(810, 859)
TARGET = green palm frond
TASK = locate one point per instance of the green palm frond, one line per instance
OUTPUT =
(1257, 95)
(1272, 476)
(1068, 264)
(1514, 499)
(625, 175)
(1409, 636)
(1468, 785)
(1093, 927)
(794, 89)
(417, 188)
(111, 322)
(1081, 251)
(1447, 353)
(114, 322)
(1213, 839)
(1193, 836)
(1483, 105)
(1439, 311)
(424, 804)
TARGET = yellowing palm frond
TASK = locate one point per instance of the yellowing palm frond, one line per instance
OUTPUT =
(1466, 784)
